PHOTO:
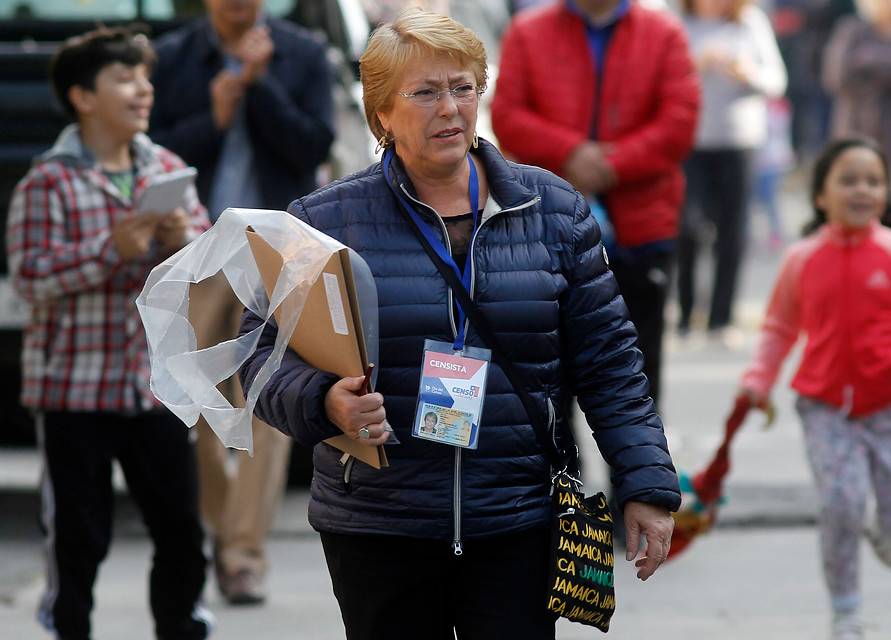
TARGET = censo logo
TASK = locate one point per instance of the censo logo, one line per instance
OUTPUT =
(472, 392)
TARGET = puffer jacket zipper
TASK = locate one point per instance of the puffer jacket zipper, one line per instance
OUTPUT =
(457, 545)
(847, 398)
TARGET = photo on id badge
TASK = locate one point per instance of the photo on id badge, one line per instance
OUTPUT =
(447, 425)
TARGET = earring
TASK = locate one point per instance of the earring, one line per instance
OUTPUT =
(476, 140)
(382, 143)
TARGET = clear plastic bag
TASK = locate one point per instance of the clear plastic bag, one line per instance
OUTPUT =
(185, 378)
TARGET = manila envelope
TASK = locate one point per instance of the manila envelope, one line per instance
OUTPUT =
(328, 335)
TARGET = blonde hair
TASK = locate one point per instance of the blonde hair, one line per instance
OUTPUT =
(412, 35)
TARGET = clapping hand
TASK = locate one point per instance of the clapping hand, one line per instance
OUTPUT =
(255, 51)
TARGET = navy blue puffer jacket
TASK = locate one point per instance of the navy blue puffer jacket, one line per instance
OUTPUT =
(541, 279)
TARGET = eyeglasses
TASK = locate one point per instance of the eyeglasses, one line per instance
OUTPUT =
(465, 94)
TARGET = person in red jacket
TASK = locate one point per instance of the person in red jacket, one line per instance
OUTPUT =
(604, 93)
(834, 288)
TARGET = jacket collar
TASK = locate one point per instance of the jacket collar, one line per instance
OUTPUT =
(70, 149)
(846, 236)
(505, 191)
(617, 14)
(69, 145)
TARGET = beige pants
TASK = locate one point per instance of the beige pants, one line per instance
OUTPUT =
(239, 493)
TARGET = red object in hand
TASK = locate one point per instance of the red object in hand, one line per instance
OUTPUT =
(708, 483)
(367, 381)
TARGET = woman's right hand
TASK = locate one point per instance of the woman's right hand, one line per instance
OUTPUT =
(352, 412)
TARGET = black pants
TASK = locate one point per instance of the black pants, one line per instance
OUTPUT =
(158, 461)
(395, 587)
(718, 187)
(643, 282)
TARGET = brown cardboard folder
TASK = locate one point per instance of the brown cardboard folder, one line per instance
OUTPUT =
(315, 338)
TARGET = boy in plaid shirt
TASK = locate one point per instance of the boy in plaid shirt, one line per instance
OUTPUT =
(80, 254)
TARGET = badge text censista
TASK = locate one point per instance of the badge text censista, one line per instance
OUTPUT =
(443, 365)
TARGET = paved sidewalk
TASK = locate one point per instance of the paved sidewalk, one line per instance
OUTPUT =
(733, 584)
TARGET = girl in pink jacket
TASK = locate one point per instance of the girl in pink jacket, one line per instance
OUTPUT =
(834, 289)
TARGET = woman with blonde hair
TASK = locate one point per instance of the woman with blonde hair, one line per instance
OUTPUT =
(452, 538)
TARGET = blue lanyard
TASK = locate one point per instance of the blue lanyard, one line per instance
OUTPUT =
(438, 246)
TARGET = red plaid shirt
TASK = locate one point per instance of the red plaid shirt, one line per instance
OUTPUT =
(84, 345)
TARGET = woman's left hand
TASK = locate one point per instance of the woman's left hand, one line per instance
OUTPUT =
(656, 523)
(360, 416)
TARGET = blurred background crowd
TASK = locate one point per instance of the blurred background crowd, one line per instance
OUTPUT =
(818, 69)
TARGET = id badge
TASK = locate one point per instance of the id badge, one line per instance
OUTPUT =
(450, 398)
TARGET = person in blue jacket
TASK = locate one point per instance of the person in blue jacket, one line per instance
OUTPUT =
(450, 539)
(247, 100)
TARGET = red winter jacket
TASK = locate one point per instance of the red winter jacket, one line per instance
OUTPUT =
(545, 97)
(834, 289)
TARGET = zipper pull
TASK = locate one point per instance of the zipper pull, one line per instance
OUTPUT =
(456, 545)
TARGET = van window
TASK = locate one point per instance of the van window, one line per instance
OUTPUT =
(117, 10)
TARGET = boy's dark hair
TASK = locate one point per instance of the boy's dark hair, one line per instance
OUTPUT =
(80, 59)
(822, 167)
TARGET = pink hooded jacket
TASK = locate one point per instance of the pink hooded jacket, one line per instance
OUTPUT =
(835, 288)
